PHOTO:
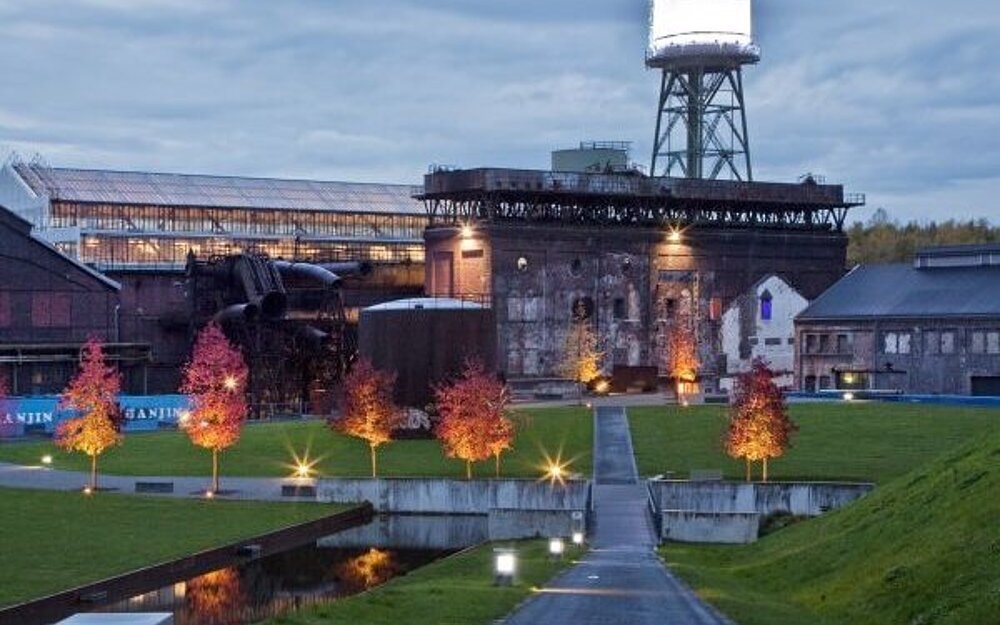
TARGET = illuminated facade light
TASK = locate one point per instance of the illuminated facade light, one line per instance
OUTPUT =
(467, 231)
(674, 236)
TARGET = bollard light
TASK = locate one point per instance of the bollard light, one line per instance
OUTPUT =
(47, 460)
(556, 547)
(209, 494)
(88, 490)
(578, 538)
(848, 396)
(504, 566)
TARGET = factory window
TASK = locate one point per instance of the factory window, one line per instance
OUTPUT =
(670, 308)
(765, 306)
(824, 382)
(791, 340)
(522, 264)
(932, 343)
(978, 342)
(824, 344)
(715, 308)
(772, 342)
(948, 342)
(619, 308)
(896, 343)
(993, 343)
(843, 344)
(626, 265)
(472, 253)
(582, 309)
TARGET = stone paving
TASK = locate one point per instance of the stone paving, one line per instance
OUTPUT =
(621, 580)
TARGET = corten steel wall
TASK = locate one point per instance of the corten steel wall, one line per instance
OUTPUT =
(47, 299)
(633, 276)
(426, 347)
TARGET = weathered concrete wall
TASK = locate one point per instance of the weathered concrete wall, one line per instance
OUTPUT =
(687, 526)
(799, 498)
(518, 524)
(414, 531)
(443, 496)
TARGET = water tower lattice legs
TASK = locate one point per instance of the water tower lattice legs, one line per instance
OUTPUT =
(701, 125)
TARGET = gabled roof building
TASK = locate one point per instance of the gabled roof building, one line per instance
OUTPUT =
(927, 327)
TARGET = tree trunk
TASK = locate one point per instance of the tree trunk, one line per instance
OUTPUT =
(468, 469)
(93, 473)
(498, 465)
(374, 465)
(215, 471)
(748, 470)
(765, 469)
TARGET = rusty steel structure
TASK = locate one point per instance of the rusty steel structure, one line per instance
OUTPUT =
(287, 318)
(629, 199)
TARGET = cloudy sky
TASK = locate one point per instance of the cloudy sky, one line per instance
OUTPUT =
(895, 98)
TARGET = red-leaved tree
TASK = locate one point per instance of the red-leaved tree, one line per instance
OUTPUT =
(759, 426)
(93, 396)
(367, 410)
(682, 350)
(473, 426)
(216, 380)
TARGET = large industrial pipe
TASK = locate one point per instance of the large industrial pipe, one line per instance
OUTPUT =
(308, 271)
(354, 268)
(263, 285)
(238, 312)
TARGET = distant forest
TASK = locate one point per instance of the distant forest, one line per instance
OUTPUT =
(885, 240)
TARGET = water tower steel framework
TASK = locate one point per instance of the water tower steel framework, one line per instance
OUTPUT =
(701, 47)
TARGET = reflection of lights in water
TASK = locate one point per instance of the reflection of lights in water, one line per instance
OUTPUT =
(215, 597)
(370, 569)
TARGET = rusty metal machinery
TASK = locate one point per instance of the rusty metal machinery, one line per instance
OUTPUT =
(287, 318)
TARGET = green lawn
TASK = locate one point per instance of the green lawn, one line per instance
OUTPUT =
(857, 441)
(455, 591)
(922, 550)
(52, 541)
(267, 450)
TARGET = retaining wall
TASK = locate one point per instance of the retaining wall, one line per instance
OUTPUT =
(798, 498)
(444, 496)
(687, 526)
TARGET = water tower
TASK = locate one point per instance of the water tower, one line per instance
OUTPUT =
(701, 47)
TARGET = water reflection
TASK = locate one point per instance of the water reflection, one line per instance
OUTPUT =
(276, 584)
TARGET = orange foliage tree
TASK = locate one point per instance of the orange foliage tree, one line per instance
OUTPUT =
(682, 351)
(216, 381)
(473, 425)
(759, 427)
(216, 596)
(93, 395)
(367, 410)
(582, 355)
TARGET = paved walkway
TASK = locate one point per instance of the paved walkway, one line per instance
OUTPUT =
(621, 581)
(246, 488)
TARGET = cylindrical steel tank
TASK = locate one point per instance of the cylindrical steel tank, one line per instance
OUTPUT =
(701, 31)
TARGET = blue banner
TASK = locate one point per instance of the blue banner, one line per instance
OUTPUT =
(143, 413)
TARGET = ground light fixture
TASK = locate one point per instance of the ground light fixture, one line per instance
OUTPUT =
(578, 538)
(209, 494)
(556, 548)
(88, 490)
(848, 396)
(504, 566)
(47, 460)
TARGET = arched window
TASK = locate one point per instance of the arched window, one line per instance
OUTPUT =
(765, 306)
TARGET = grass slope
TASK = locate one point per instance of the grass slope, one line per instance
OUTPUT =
(266, 450)
(922, 550)
(455, 591)
(52, 541)
(857, 441)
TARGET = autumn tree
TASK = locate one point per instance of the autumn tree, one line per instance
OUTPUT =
(92, 395)
(216, 380)
(759, 426)
(473, 425)
(582, 353)
(682, 350)
(367, 409)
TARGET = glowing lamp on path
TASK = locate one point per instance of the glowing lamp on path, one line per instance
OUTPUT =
(578, 538)
(556, 547)
(88, 490)
(47, 460)
(848, 396)
(504, 566)
(209, 494)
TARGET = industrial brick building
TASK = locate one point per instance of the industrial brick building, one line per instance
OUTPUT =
(635, 251)
(927, 327)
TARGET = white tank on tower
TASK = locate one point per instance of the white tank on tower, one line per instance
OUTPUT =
(699, 31)
(701, 46)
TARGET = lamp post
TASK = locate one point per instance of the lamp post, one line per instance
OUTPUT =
(504, 566)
